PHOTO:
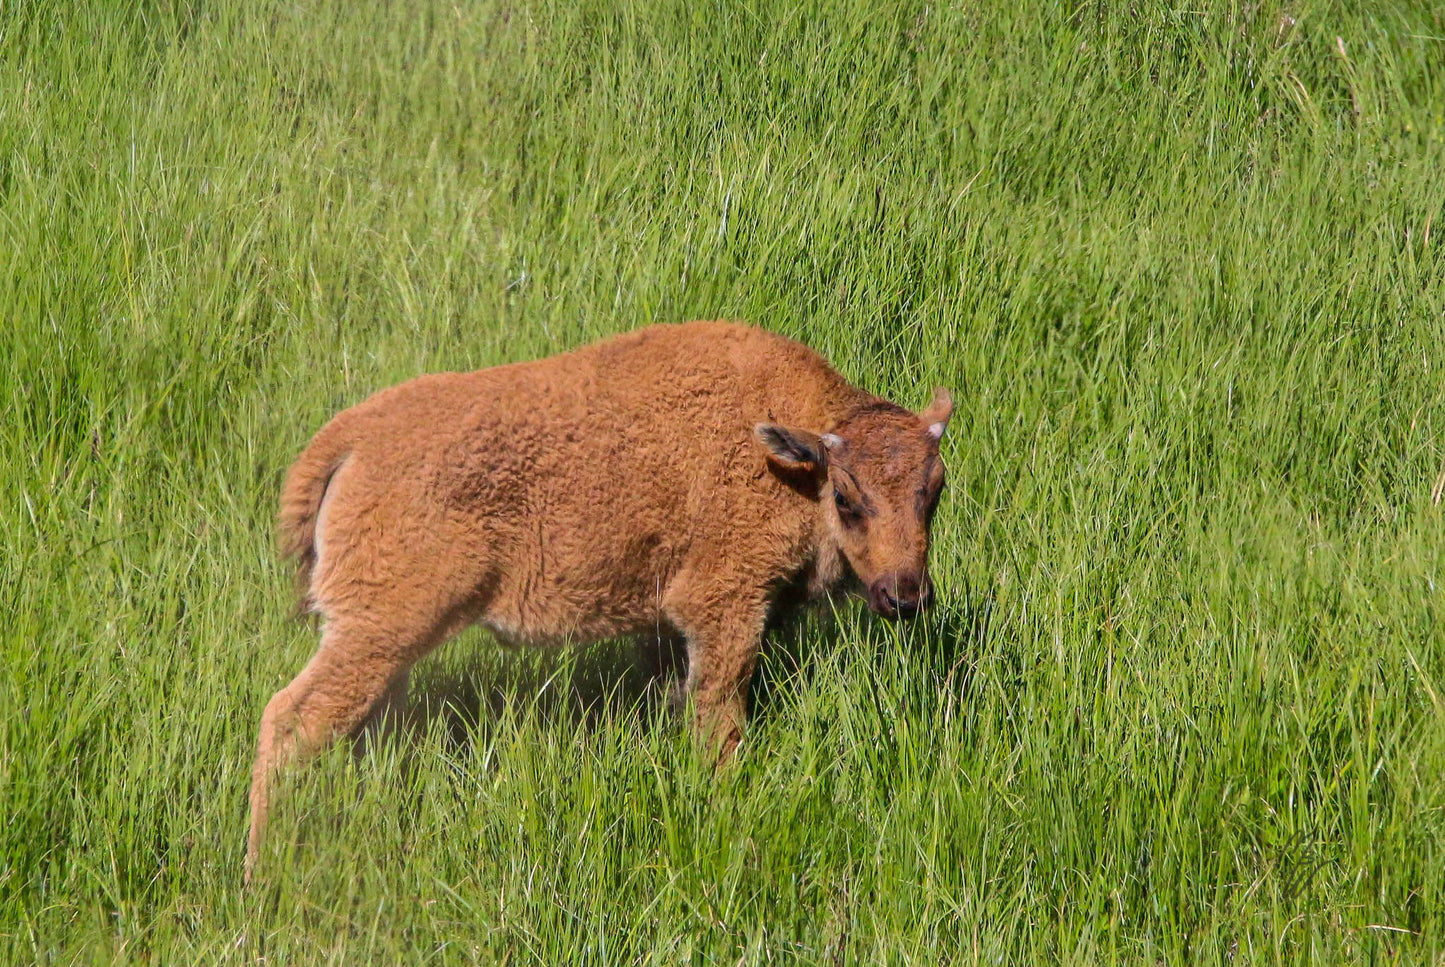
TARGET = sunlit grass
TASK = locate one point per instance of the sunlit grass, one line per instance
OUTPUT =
(1184, 696)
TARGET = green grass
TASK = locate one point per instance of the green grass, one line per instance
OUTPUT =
(1184, 697)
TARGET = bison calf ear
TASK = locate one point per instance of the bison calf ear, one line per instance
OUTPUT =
(791, 449)
(936, 414)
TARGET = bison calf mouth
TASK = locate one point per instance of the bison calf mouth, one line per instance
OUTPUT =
(899, 596)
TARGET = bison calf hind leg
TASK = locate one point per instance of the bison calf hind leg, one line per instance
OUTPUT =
(352, 685)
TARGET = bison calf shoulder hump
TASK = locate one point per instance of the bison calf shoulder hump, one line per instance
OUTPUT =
(677, 478)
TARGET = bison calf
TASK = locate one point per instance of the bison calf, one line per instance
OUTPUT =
(677, 478)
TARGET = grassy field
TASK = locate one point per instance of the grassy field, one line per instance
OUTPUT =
(1183, 699)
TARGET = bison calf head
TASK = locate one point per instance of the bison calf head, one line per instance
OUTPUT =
(878, 478)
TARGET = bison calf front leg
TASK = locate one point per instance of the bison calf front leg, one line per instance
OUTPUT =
(723, 638)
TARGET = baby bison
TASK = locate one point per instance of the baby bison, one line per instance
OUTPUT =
(677, 479)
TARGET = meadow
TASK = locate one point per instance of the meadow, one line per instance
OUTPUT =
(1182, 699)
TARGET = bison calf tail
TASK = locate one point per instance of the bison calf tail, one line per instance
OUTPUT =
(301, 497)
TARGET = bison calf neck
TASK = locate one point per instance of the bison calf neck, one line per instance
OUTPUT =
(677, 478)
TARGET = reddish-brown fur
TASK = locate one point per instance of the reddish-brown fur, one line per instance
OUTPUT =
(639, 484)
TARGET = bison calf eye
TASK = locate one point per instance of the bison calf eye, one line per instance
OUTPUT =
(846, 510)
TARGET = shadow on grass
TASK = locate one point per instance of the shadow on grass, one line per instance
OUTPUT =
(938, 647)
(477, 682)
